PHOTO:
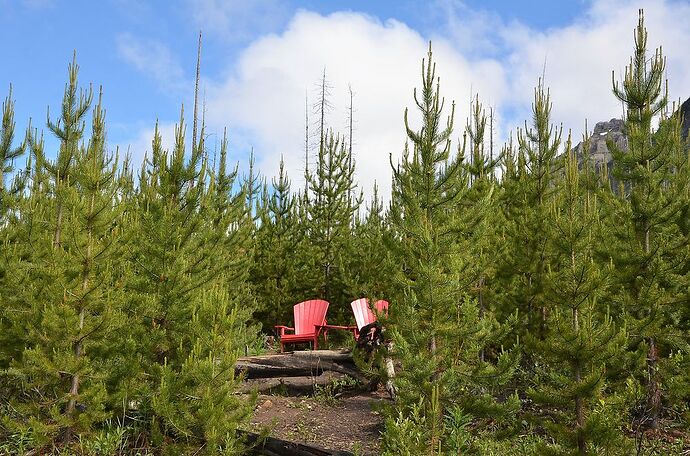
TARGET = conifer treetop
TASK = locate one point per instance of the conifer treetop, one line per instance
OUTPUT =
(641, 88)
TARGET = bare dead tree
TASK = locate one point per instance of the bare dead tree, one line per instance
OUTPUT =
(196, 92)
(322, 107)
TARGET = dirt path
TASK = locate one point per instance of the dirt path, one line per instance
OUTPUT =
(348, 424)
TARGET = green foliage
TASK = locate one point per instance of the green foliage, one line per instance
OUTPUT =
(9, 199)
(649, 211)
(110, 440)
(196, 402)
(572, 358)
(539, 309)
(374, 263)
(330, 214)
(123, 300)
(275, 271)
(190, 290)
(72, 309)
(8, 154)
(439, 332)
(406, 432)
(525, 203)
(330, 394)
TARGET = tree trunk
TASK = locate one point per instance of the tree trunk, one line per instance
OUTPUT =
(74, 388)
(482, 311)
(580, 416)
(58, 227)
(579, 405)
(653, 387)
(390, 372)
(78, 346)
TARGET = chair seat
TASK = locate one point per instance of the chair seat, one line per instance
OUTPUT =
(298, 337)
(309, 317)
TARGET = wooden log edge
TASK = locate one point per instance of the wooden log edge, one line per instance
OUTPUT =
(271, 446)
(297, 364)
(290, 385)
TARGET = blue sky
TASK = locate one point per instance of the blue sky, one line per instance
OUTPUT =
(45, 34)
(260, 58)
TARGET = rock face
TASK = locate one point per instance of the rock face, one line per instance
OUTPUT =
(613, 129)
(598, 151)
(685, 113)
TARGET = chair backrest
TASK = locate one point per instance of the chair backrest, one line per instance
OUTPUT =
(363, 313)
(308, 314)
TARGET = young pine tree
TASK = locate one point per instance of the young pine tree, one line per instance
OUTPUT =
(72, 305)
(10, 188)
(649, 211)
(330, 213)
(8, 155)
(479, 209)
(376, 267)
(583, 340)
(275, 275)
(528, 189)
(438, 330)
(190, 295)
(69, 129)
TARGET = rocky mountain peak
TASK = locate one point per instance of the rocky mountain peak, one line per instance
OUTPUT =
(685, 113)
(613, 129)
(598, 150)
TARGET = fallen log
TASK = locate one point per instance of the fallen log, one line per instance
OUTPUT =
(325, 355)
(297, 364)
(271, 446)
(290, 385)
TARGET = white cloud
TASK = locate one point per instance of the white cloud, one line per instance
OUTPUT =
(153, 59)
(579, 59)
(264, 97)
(472, 32)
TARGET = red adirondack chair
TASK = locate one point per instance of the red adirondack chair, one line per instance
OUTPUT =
(310, 317)
(364, 314)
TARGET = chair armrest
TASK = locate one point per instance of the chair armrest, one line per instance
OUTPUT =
(326, 327)
(332, 326)
(355, 331)
(283, 329)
